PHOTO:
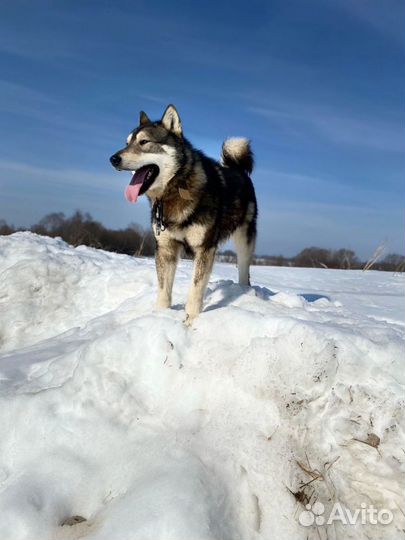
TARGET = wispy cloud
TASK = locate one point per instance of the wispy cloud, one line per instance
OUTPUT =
(72, 178)
(297, 188)
(387, 18)
(28, 41)
(29, 192)
(340, 129)
(20, 99)
(58, 113)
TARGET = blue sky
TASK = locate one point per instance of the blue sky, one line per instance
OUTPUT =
(317, 85)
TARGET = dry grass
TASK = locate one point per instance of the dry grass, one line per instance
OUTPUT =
(375, 257)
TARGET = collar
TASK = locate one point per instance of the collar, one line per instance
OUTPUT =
(157, 209)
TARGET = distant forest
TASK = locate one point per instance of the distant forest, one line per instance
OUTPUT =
(82, 229)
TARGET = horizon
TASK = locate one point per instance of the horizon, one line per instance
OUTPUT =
(379, 256)
(317, 87)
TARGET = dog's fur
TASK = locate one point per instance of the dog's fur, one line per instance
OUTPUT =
(204, 202)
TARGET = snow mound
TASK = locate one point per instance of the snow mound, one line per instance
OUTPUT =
(280, 395)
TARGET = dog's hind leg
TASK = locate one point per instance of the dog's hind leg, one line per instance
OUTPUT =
(245, 246)
(166, 256)
(203, 262)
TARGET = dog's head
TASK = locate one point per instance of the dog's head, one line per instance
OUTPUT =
(151, 153)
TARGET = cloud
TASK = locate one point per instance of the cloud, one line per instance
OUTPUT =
(60, 114)
(386, 18)
(332, 187)
(29, 192)
(27, 39)
(337, 128)
(20, 99)
(67, 177)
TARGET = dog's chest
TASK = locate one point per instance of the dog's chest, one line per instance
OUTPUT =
(193, 235)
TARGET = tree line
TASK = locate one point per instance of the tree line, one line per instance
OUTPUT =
(81, 229)
(316, 257)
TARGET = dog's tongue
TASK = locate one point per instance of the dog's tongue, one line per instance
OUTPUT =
(134, 187)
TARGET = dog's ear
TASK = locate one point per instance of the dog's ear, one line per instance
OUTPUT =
(171, 120)
(143, 118)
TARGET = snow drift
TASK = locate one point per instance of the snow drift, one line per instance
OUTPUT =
(281, 395)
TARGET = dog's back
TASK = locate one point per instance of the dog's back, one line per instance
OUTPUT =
(228, 201)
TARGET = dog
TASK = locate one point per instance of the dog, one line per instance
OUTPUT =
(197, 203)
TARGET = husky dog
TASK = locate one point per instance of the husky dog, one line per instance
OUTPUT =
(196, 202)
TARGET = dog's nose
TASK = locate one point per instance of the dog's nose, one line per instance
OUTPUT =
(115, 160)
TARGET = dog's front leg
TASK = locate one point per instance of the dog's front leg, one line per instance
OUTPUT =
(166, 256)
(203, 262)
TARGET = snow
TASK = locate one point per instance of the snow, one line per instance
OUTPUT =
(148, 429)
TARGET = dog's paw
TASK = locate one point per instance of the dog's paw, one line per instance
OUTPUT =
(193, 309)
(188, 321)
(162, 304)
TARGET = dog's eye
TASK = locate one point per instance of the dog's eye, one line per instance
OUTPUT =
(143, 141)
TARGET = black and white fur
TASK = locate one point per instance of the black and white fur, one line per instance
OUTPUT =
(203, 202)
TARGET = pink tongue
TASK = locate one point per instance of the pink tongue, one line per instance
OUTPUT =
(134, 187)
(132, 192)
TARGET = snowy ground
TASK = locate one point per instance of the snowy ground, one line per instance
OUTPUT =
(153, 431)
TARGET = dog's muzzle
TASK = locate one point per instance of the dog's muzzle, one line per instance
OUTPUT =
(115, 160)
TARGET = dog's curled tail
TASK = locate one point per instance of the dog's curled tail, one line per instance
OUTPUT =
(237, 153)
